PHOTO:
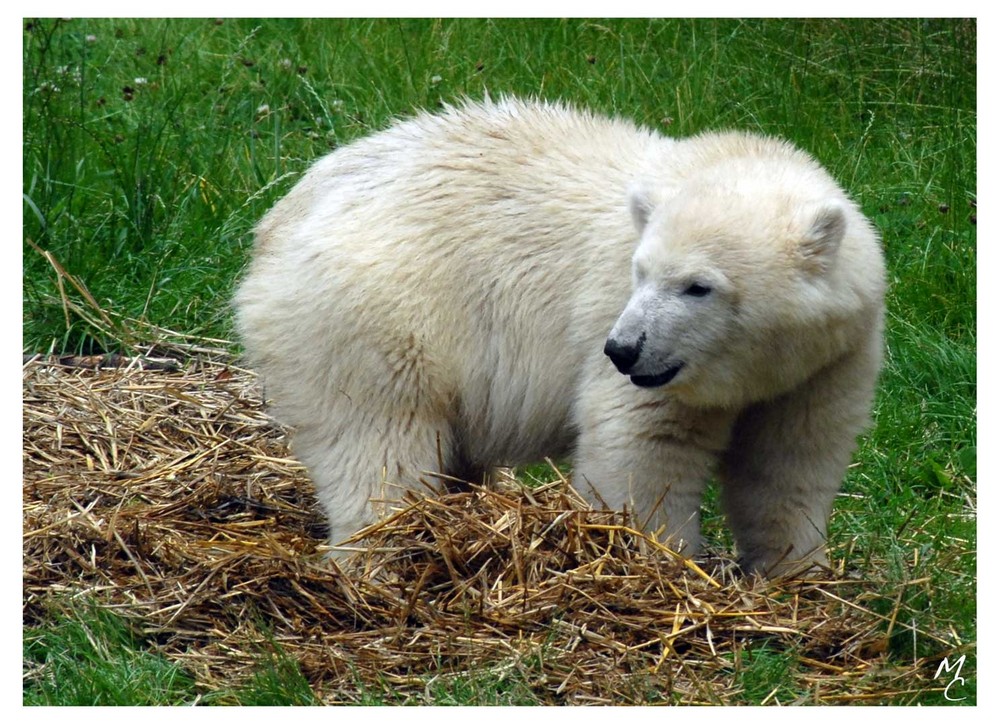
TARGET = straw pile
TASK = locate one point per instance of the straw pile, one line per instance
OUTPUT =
(159, 487)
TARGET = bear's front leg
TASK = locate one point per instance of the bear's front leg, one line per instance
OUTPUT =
(651, 484)
(787, 461)
(644, 453)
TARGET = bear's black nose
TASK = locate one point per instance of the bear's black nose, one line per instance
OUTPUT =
(623, 356)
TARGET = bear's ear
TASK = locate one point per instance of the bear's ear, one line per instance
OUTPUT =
(825, 225)
(640, 205)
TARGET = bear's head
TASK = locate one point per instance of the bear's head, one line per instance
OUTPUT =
(747, 279)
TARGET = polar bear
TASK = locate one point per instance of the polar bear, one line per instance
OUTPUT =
(510, 280)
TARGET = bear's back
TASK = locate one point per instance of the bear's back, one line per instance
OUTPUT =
(499, 159)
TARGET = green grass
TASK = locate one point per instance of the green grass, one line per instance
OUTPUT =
(482, 689)
(89, 656)
(151, 148)
(277, 680)
(85, 655)
(764, 673)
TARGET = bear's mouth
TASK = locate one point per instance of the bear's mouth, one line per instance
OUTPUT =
(654, 380)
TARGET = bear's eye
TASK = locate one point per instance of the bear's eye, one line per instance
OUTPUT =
(697, 290)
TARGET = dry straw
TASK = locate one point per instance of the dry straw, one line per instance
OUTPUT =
(157, 486)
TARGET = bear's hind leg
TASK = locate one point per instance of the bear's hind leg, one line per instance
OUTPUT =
(361, 473)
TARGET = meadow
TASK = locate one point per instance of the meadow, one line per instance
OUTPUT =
(152, 147)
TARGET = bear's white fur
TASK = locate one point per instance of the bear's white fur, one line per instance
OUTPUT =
(440, 298)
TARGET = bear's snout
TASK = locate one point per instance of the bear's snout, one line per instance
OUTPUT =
(624, 355)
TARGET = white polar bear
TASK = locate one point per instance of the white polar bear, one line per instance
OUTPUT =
(442, 297)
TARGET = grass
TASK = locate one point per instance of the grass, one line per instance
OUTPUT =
(151, 147)
(86, 655)
(764, 674)
(89, 656)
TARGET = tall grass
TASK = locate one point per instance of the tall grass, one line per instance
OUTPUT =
(151, 147)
